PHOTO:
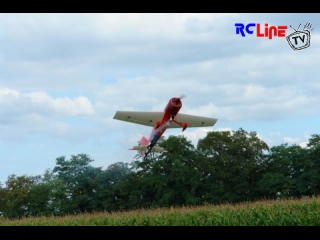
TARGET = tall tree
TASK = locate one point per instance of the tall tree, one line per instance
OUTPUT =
(169, 179)
(79, 183)
(112, 195)
(41, 195)
(14, 197)
(308, 182)
(284, 166)
(233, 165)
(39, 200)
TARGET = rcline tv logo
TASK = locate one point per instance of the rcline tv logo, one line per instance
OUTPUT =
(300, 39)
(269, 32)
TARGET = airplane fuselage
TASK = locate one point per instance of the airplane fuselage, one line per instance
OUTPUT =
(160, 127)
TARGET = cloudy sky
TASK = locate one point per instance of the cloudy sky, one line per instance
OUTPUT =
(63, 77)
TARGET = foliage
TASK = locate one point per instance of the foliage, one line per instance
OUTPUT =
(77, 183)
(14, 196)
(282, 171)
(232, 165)
(228, 166)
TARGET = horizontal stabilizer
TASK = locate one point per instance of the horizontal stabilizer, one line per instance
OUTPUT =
(144, 148)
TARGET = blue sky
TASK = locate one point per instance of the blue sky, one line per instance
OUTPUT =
(63, 77)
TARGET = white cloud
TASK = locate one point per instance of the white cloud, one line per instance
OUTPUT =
(152, 26)
(13, 102)
(276, 138)
(223, 129)
(65, 75)
(291, 140)
(7, 91)
(195, 134)
(192, 134)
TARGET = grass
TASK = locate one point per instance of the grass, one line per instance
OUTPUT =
(302, 212)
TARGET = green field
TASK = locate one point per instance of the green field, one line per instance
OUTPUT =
(303, 212)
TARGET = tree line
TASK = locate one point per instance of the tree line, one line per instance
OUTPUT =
(228, 166)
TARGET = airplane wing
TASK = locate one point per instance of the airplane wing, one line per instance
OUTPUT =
(193, 121)
(150, 118)
(143, 118)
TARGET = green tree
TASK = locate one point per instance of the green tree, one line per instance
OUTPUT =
(60, 203)
(39, 200)
(3, 194)
(76, 188)
(308, 182)
(113, 193)
(233, 165)
(14, 197)
(171, 178)
(41, 195)
(284, 166)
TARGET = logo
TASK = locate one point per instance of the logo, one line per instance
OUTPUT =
(269, 32)
(300, 39)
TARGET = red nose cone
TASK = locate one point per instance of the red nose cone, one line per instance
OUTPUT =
(176, 102)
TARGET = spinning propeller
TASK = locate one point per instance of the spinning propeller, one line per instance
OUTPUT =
(182, 96)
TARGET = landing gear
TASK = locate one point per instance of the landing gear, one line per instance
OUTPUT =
(184, 126)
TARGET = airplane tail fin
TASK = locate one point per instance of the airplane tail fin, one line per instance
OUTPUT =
(144, 141)
(144, 147)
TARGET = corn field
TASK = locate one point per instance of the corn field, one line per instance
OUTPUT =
(303, 212)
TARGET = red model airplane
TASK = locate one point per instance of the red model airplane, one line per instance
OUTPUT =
(169, 115)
